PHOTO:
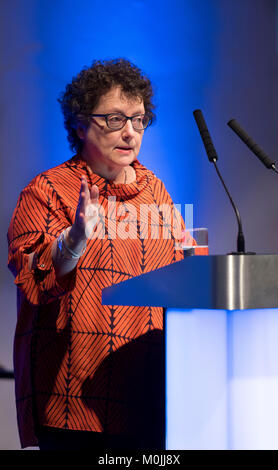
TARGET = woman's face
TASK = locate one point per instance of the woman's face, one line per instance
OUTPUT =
(108, 149)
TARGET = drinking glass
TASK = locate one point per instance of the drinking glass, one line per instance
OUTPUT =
(195, 241)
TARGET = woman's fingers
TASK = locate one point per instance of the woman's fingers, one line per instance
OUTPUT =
(92, 205)
(87, 209)
(94, 194)
(80, 211)
(84, 188)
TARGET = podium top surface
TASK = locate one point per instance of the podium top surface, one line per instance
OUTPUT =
(230, 282)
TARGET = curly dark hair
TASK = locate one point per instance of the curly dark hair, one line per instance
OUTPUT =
(81, 96)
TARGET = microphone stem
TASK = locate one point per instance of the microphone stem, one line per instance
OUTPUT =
(240, 237)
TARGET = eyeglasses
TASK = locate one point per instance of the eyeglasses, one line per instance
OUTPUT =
(117, 121)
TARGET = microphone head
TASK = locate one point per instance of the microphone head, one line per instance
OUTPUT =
(200, 121)
(266, 161)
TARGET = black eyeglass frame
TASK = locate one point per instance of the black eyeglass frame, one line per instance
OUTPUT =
(106, 116)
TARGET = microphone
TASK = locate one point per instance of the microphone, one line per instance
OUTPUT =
(212, 156)
(262, 156)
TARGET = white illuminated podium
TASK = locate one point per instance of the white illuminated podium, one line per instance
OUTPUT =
(221, 337)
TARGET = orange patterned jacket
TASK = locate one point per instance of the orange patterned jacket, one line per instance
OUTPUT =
(78, 364)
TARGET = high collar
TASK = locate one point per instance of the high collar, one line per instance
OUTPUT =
(108, 188)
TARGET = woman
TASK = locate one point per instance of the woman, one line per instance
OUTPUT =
(87, 374)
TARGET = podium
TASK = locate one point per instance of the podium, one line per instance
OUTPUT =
(221, 348)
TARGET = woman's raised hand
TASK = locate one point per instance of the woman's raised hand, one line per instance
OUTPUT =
(86, 213)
